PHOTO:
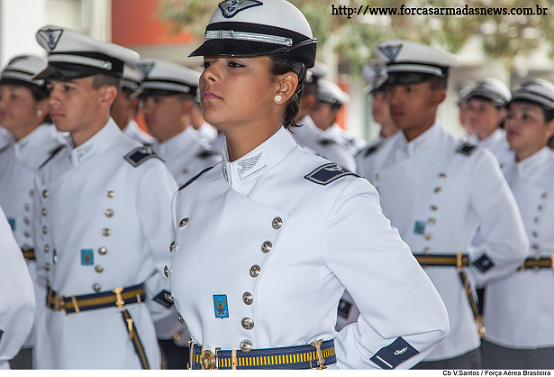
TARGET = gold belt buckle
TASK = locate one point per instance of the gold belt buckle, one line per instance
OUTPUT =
(320, 359)
(207, 360)
(59, 303)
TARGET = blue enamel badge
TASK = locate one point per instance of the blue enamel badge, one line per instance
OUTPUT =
(220, 306)
(87, 257)
(420, 227)
(12, 223)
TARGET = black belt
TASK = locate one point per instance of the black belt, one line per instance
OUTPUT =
(28, 254)
(316, 355)
(537, 263)
(117, 297)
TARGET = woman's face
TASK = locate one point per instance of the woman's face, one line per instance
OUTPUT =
(18, 109)
(484, 117)
(237, 91)
(526, 129)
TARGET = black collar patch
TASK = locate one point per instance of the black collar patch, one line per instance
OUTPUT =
(391, 51)
(230, 8)
(328, 173)
(466, 149)
(138, 155)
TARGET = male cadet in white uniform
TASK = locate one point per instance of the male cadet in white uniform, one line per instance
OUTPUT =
(311, 137)
(5, 137)
(126, 107)
(168, 91)
(486, 101)
(19, 164)
(436, 190)
(17, 301)
(102, 223)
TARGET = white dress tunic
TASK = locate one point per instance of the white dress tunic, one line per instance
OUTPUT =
(279, 241)
(519, 308)
(102, 222)
(436, 190)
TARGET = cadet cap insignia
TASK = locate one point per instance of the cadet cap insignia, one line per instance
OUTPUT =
(51, 37)
(466, 149)
(391, 51)
(138, 155)
(230, 8)
(145, 68)
(394, 354)
(328, 173)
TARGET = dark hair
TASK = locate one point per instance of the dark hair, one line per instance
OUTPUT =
(281, 64)
(102, 79)
(438, 82)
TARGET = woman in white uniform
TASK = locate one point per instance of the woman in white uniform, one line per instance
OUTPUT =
(519, 308)
(267, 240)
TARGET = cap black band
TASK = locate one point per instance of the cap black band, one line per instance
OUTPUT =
(79, 64)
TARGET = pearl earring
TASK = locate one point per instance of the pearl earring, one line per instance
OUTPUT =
(277, 98)
(39, 113)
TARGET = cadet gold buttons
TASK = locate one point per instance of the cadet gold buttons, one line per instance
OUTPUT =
(426, 250)
(47, 266)
(246, 346)
(26, 221)
(437, 190)
(247, 298)
(106, 232)
(44, 230)
(535, 234)
(428, 236)
(27, 207)
(32, 193)
(26, 247)
(99, 269)
(181, 319)
(442, 175)
(544, 195)
(96, 287)
(172, 247)
(185, 171)
(537, 220)
(378, 190)
(44, 212)
(266, 247)
(535, 246)
(46, 248)
(45, 194)
(102, 251)
(169, 297)
(166, 271)
(255, 270)
(247, 323)
(183, 222)
(110, 194)
(377, 176)
(434, 208)
(27, 234)
(541, 207)
(277, 223)
(109, 212)
(431, 221)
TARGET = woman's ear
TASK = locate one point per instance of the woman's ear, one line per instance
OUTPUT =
(286, 86)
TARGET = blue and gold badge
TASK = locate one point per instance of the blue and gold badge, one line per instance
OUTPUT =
(12, 223)
(220, 306)
(420, 227)
(87, 257)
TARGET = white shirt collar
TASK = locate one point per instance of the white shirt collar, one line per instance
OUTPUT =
(178, 144)
(97, 143)
(498, 136)
(258, 161)
(27, 146)
(422, 142)
(529, 165)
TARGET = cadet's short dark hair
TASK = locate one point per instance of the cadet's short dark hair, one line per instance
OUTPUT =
(281, 64)
(102, 79)
(438, 82)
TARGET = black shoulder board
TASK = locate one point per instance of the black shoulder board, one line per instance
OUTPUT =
(52, 154)
(328, 173)
(194, 178)
(206, 153)
(326, 141)
(370, 150)
(466, 148)
(140, 154)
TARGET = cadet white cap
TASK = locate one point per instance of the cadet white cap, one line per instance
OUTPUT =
(411, 62)
(21, 69)
(74, 55)
(376, 74)
(163, 78)
(258, 28)
(462, 95)
(318, 71)
(131, 78)
(490, 89)
(330, 92)
(537, 91)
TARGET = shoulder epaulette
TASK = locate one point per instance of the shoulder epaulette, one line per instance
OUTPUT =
(326, 141)
(370, 150)
(140, 154)
(194, 178)
(466, 148)
(207, 153)
(328, 173)
(52, 154)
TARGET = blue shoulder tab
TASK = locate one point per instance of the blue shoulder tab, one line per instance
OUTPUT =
(328, 173)
(140, 154)
(52, 154)
(466, 149)
(194, 178)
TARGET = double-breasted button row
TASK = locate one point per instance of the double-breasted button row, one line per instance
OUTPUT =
(247, 323)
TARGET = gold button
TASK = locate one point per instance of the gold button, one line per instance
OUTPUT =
(27, 234)
(377, 176)
(541, 207)
(26, 221)
(247, 298)
(544, 195)
(246, 346)
(442, 175)
(32, 193)
(535, 246)
(186, 171)
(266, 247)
(378, 190)
(277, 223)
(96, 287)
(535, 234)
(45, 194)
(99, 268)
(537, 256)
(255, 270)
(169, 297)
(109, 212)
(180, 318)
(166, 271)
(47, 266)
(26, 247)
(102, 250)
(172, 247)
(426, 250)
(437, 190)
(184, 222)
(431, 221)
(44, 212)
(110, 194)
(106, 232)
(428, 236)
(27, 207)
(247, 323)
(434, 208)
(46, 248)
(537, 220)
(44, 230)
